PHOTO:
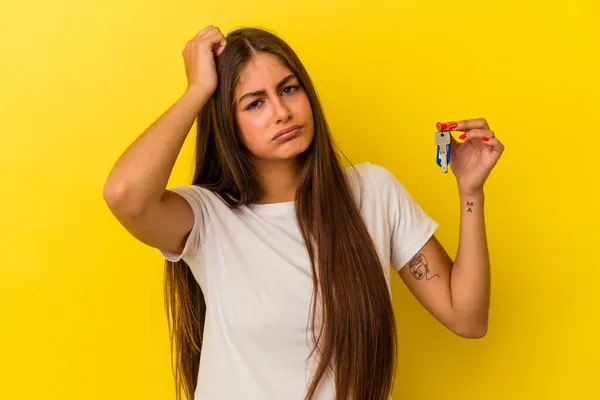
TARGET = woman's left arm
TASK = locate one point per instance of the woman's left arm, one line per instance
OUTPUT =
(470, 278)
(457, 293)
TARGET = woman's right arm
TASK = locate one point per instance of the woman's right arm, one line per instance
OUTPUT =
(135, 190)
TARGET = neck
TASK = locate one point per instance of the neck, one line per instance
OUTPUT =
(279, 180)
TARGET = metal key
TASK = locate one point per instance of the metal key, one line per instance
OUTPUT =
(442, 141)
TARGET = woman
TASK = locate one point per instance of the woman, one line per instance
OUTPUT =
(278, 258)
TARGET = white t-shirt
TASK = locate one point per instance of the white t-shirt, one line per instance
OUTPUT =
(254, 271)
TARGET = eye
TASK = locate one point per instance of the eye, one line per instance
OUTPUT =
(253, 105)
(292, 87)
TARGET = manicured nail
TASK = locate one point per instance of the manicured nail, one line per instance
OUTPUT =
(486, 139)
(463, 136)
(438, 126)
(444, 126)
(453, 125)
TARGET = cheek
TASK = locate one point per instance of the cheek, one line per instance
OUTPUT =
(251, 130)
(305, 110)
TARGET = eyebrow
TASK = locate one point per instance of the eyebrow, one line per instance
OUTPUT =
(264, 92)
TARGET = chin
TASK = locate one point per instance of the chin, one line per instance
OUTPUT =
(293, 148)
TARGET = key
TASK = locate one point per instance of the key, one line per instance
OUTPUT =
(442, 141)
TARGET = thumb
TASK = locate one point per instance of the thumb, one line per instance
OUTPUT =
(220, 46)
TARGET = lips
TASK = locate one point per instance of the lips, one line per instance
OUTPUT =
(286, 130)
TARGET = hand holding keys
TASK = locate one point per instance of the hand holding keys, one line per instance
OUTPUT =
(442, 142)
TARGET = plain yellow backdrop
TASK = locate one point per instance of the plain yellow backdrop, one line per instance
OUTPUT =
(81, 307)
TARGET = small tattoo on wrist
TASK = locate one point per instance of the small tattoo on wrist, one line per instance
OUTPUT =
(469, 205)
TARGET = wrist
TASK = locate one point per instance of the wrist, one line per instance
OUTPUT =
(196, 95)
(471, 194)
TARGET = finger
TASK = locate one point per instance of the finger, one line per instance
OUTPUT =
(217, 41)
(221, 46)
(218, 45)
(213, 37)
(209, 34)
(483, 134)
(204, 30)
(495, 145)
(446, 125)
(468, 124)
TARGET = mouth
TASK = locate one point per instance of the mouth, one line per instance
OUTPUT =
(286, 133)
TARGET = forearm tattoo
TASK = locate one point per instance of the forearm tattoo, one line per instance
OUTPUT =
(419, 268)
(470, 206)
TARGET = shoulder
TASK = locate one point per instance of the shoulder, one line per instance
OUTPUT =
(190, 192)
(199, 197)
(372, 177)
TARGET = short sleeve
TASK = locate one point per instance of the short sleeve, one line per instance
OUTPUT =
(410, 226)
(196, 198)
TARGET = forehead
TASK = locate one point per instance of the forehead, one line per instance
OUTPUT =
(264, 70)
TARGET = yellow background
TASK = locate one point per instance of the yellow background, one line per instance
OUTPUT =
(81, 307)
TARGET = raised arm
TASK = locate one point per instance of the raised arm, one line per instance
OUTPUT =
(135, 190)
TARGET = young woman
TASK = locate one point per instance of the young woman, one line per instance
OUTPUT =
(278, 257)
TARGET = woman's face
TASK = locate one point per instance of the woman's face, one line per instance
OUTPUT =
(269, 99)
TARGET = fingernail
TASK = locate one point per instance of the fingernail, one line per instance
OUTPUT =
(453, 125)
(486, 139)
(463, 136)
(438, 126)
(444, 126)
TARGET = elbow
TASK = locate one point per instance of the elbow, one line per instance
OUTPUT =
(471, 330)
(116, 197)
(472, 333)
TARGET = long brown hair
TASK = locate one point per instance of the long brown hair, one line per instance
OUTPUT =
(357, 340)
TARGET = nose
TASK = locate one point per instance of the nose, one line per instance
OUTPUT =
(282, 111)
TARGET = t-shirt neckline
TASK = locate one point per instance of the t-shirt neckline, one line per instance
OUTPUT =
(273, 208)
